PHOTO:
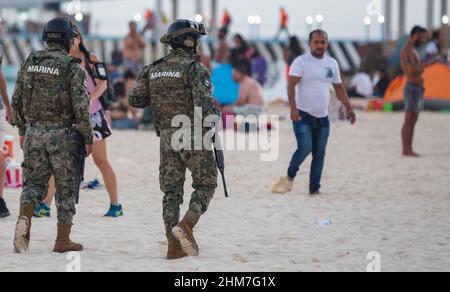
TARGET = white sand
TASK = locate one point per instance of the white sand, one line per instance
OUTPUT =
(377, 200)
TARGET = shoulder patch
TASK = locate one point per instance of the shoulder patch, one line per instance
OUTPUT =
(207, 83)
(165, 74)
(43, 70)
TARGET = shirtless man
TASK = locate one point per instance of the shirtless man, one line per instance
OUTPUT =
(134, 45)
(250, 101)
(414, 90)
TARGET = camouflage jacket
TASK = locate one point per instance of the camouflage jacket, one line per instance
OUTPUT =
(174, 86)
(51, 87)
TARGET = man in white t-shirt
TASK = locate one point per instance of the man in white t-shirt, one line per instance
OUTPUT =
(361, 85)
(5, 111)
(311, 79)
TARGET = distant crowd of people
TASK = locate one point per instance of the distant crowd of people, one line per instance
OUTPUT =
(249, 71)
(374, 83)
(369, 84)
(123, 72)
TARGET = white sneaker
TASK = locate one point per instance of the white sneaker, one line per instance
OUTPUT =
(283, 186)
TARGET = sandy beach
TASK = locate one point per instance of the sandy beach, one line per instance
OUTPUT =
(376, 199)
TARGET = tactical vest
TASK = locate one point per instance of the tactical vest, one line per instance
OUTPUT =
(169, 89)
(46, 87)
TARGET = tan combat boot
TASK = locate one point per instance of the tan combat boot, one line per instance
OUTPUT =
(184, 232)
(283, 186)
(23, 229)
(63, 243)
(175, 251)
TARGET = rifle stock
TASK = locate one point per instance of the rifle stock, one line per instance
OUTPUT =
(220, 160)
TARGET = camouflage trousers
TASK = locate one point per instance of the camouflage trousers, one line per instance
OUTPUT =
(49, 151)
(201, 164)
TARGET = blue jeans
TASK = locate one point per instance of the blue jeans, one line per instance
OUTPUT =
(312, 138)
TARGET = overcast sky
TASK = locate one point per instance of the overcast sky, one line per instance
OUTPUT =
(343, 18)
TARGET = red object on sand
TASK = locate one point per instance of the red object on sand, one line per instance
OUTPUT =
(13, 177)
(378, 105)
(8, 147)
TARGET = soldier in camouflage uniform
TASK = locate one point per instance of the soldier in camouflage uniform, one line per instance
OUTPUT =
(179, 85)
(51, 110)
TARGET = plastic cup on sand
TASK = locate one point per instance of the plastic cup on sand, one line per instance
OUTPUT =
(325, 222)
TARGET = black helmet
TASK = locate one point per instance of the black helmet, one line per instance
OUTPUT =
(60, 30)
(181, 31)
